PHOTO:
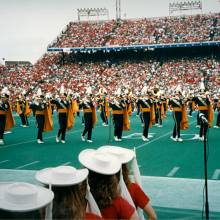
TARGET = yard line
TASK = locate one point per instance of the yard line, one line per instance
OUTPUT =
(67, 163)
(173, 171)
(26, 165)
(26, 142)
(170, 132)
(142, 145)
(4, 161)
(216, 174)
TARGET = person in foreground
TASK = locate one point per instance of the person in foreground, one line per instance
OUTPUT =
(20, 200)
(104, 185)
(138, 196)
(72, 198)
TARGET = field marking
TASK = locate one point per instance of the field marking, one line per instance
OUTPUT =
(4, 161)
(216, 174)
(170, 132)
(64, 164)
(142, 145)
(26, 165)
(137, 136)
(7, 132)
(173, 171)
(26, 142)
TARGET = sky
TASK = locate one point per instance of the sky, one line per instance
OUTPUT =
(27, 27)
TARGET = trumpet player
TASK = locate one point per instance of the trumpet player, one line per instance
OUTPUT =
(62, 104)
(40, 108)
(6, 118)
(88, 106)
(118, 105)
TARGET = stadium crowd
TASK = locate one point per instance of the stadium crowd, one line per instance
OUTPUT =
(181, 29)
(48, 74)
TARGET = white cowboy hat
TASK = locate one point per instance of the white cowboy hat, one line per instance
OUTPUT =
(123, 154)
(99, 162)
(61, 176)
(23, 197)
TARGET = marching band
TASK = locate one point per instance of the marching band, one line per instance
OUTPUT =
(150, 104)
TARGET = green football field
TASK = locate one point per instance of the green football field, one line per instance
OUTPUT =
(158, 157)
(172, 172)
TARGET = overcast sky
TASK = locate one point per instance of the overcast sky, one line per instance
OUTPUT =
(28, 26)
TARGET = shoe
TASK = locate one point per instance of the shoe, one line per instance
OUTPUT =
(197, 126)
(90, 141)
(57, 139)
(1, 142)
(83, 138)
(216, 126)
(104, 124)
(173, 138)
(180, 140)
(24, 126)
(63, 142)
(190, 116)
(119, 139)
(160, 126)
(202, 138)
(39, 141)
(144, 138)
(116, 138)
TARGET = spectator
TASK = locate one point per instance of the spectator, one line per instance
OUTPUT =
(104, 185)
(23, 201)
(70, 192)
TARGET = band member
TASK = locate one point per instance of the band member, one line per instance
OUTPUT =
(147, 110)
(104, 109)
(89, 110)
(218, 115)
(23, 110)
(159, 113)
(203, 103)
(165, 104)
(191, 104)
(118, 106)
(43, 116)
(179, 115)
(6, 118)
(62, 106)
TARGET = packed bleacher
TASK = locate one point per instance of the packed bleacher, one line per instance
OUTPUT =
(181, 29)
(48, 73)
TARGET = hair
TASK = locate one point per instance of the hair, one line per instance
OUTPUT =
(104, 188)
(69, 202)
(20, 215)
(125, 173)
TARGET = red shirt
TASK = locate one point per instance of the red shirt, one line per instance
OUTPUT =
(119, 209)
(91, 216)
(138, 196)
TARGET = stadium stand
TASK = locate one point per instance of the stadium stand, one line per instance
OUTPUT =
(196, 28)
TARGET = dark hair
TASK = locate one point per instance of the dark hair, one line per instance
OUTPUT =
(20, 215)
(69, 202)
(104, 188)
(125, 173)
